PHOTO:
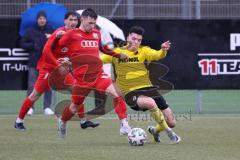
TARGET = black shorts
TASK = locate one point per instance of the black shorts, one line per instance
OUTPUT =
(131, 98)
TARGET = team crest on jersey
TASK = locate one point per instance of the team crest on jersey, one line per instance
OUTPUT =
(95, 35)
(64, 50)
(79, 35)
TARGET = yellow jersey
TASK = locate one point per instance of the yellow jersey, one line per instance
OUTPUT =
(131, 73)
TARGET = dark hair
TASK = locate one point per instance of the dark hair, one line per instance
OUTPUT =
(71, 13)
(41, 14)
(89, 13)
(137, 29)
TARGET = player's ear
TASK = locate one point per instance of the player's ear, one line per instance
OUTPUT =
(128, 37)
(81, 19)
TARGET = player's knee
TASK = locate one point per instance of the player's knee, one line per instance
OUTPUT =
(78, 100)
(113, 90)
(34, 96)
(73, 109)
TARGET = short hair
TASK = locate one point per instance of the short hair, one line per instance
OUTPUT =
(89, 13)
(71, 13)
(137, 29)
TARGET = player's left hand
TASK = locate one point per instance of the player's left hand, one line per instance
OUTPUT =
(166, 46)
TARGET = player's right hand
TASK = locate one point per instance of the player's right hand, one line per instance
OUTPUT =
(166, 46)
(59, 34)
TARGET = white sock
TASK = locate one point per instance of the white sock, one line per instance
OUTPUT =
(124, 122)
(168, 129)
(19, 120)
(83, 120)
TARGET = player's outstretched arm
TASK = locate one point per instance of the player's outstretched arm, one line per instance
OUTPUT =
(106, 50)
(154, 55)
(57, 37)
(64, 39)
(51, 45)
(166, 46)
(106, 58)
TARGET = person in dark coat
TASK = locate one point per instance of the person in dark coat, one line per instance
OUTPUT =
(33, 41)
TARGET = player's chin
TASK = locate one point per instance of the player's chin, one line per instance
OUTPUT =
(89, 30)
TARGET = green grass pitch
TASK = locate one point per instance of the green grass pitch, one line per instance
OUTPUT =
(204, 137)
(212, 135)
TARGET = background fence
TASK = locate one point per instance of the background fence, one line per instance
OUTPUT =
(138, 9)
(181, 101)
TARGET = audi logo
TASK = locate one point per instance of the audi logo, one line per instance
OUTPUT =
(89, 43)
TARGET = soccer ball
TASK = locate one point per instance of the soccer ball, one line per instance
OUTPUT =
(137, 137)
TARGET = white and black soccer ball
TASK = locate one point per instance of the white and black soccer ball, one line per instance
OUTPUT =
(137, 137)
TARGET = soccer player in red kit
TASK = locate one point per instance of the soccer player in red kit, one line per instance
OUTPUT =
(50, 59)
(84, 44)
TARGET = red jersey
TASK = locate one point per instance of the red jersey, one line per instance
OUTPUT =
(80, 42)
(83, 52)
(48, 59)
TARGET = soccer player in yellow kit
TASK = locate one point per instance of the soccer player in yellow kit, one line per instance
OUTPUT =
(132, 77)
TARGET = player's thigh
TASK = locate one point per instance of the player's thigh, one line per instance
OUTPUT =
(77, 99)
(169, 117)
(146, 102)
(113, 90)
(40, 86)
(104, 84)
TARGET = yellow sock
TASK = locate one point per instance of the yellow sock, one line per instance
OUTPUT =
(157, 115)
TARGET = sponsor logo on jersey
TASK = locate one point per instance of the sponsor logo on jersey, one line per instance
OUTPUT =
(95, 35)
(80, 35)
(135, 59)
(89, 44)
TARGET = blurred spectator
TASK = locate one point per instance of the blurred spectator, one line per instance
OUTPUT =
(33, 41)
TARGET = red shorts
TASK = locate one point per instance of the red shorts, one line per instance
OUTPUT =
(81, 89)
(42, 83)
